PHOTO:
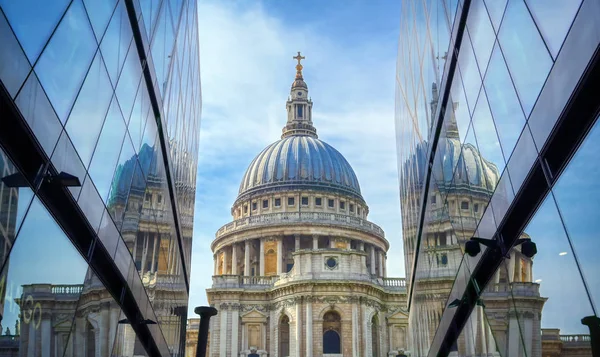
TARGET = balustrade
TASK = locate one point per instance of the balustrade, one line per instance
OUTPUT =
(67, 289)
(307, 217)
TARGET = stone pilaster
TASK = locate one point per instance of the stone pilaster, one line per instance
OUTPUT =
(279, 255)
(309, 329)
(261, 257)
(223, 332)
(298, 328)
(234, 265)
(315, 242)
(247, 258)
(355, 349)
(235, 315)
(225, 261)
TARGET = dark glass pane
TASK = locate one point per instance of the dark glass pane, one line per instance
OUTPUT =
(38, 112)
(554, 18)
(14, 202)
(504, 104)
(99, 13)
(526, 55)
(66, 59)
(44, 268)
(104, 161)
(33, 22)
(115, 42)
(65, 159)
(85, 121)
(578, 199)
(481, 33)
(91, 203)
(14, 66)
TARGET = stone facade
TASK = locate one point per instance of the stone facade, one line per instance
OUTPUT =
(300, 271)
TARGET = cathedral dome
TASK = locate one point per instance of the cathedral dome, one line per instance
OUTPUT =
(300, 161)
(470, 170)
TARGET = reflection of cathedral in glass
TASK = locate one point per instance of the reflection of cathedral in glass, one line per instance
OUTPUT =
(461, 187)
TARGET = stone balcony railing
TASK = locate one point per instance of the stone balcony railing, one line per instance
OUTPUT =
(566, 340)
(67, 289)
(274, 219)
(517, 289)
(268, 282)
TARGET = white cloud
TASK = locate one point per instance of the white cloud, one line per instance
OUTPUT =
(247, 70)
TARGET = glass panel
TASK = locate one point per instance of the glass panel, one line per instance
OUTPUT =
(38, 112)
(115, 42)
(476, 338)
(496, 10)
(14, 202)
(129, 80)
(460, 107)
(121, 182)
(99, 13)
(127, 342)
(33, 22)
(13, 63)
(578, 199)
(554, 269)
(162, 46)
(85, 122)
(504, 104)
(107, 151)
(149, 12)
(554, 18)
(66, 59)
(526, 55)
(487, 140)
(96, 321)
(108, 234)
(91, 203)
(139, 114)
(41, 280)
(521, 162)
(481, 33)
(469, 72)
(65, 159)
(147, 154)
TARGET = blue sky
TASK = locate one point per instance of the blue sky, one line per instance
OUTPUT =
(246, 52)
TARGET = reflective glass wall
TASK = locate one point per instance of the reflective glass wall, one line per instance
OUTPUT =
(110, 91)
(507, 69)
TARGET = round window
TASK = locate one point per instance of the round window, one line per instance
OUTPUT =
(331, 263)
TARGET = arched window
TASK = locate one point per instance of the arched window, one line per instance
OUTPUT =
(284, 336)
(332, 329)
(375, 336)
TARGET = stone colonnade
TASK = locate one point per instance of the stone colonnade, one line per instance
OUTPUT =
(271, 255)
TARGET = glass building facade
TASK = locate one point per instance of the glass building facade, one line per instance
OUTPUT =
(498, 139)
(100, 113)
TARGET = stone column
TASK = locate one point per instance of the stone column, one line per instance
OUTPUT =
(247, 259)
(223, 332)
(381, 263)
(361, 246)
(216, 261)
(225, 261)
(372, 260)
(511, 266)
(518, 268)
(529, 272)
(31, 338)
(298, 327)
(315, 242)
(332, 242)
(244, 343)
(296, 242)
(279, 255)
(153, 267)
(513, 335)
(261, 257)
(309, 329)
(47, 334)
(234, 267)
(235, 314)
(355, 351)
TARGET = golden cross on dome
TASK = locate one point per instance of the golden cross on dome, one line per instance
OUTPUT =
(299, 58)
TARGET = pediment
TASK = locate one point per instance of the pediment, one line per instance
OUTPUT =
(254, 315)
(398, 315)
